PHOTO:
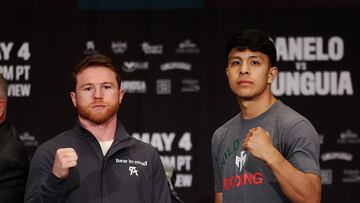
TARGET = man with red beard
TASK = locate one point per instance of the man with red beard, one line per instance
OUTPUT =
(96, 161)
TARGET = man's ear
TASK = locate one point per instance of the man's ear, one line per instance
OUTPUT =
(227, 71)
(272, 74)
(121, 95)
(73, 98)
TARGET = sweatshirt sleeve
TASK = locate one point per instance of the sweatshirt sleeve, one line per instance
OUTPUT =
(42, 185)
(303, 147)
(160, 190)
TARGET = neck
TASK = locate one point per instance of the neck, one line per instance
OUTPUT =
(255, 107)
(102, 132)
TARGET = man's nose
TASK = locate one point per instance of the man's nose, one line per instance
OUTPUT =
(244, 69)
(98, 93)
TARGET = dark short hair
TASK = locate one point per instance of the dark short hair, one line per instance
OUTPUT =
(91, 61)
(254, 40)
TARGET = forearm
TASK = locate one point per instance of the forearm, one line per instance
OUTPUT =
(296, 185)
(218, 197)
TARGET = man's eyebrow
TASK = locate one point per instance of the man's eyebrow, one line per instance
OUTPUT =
(92, 84)
(234, 57)
(107, 83)
(256, 56)
(87, 84)
(251, 57)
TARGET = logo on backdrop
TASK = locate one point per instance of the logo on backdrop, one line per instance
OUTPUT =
(119, 47)
(148, 48)
(133, 86)
(348, 137)
(90, 48)
(305, 82)
(131, 66)
(351, 176)
(329, 156)
(326, 176)
(28, 139)
(163, 86)
(190, 85)
(187, 47)
(175, 65)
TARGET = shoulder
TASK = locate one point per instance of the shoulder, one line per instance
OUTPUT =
(144, 148)
(44, 154)
(287, 116)
(220, 133)
(12, 140)
(145, 151)
(12, 149)
(290, 122)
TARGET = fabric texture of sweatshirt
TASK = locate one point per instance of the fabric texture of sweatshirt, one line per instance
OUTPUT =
(131, 171)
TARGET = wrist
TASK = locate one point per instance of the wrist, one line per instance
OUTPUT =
(58, 174)
(273, 157)
(54, 184)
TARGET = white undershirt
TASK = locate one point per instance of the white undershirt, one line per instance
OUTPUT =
(105, 146)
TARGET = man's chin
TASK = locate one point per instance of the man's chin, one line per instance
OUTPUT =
(98, 122)
(244, 96)
(99, 119)
(97, 116)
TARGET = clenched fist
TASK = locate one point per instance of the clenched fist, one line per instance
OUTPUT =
(258, 142)
(65, 158)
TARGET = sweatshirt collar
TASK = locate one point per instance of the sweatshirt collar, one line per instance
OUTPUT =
(122, 138)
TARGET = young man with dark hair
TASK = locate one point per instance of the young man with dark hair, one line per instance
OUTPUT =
(96, 161)
(267, 152)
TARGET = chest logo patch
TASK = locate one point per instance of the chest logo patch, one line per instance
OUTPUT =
(133, 170)
(240, 161)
